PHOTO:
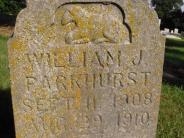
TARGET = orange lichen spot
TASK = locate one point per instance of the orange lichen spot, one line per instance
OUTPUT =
(16, 45)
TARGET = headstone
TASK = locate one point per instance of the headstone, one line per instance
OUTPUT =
(182, 34)
(176, 31)
(160, 21)
(162, 32)
(172, 31)
(86, 69)
(166, 30)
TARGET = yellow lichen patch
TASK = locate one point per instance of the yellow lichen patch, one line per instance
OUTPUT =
(28, 70)
(16, 50)
(17, 45)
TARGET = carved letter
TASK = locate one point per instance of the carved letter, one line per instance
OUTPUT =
(131, 77)
(31, 83)
(148, 99)
(98, 59)
(146, 74)
(118, 80)
(46, 83)
(137, 99)
(61, 82)
(110, 59)
(29, 104)
(138, 61)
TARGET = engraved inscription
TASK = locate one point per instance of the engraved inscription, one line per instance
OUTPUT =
(136, 99)
(127, 119)
(75, 91)
(91, 81)
(45, 63)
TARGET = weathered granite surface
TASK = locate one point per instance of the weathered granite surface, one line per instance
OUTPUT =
(86, 69)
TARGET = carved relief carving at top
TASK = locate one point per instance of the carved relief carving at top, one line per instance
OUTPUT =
(93, 23)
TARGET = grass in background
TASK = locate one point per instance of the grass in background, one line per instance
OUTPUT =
(7, 129)
(4, 71)
(171, 115)
(175, 51)
(174, 42)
